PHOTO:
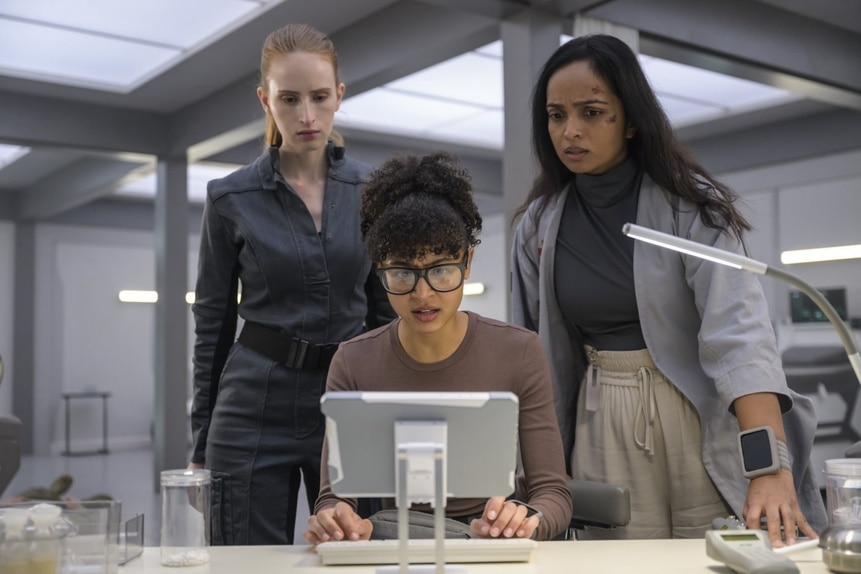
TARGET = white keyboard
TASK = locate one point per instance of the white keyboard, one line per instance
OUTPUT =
(457, 550)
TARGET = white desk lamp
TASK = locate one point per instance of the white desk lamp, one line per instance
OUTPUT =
(741, 262)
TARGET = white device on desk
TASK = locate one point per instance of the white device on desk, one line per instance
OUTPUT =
(421, 447)
(422, 551)
(747, 552)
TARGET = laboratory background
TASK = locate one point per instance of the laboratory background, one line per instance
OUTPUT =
(114, 115)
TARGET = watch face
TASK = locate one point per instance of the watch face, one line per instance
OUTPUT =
(757, 450)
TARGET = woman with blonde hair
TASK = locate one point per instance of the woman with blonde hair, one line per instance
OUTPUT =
(285, 228)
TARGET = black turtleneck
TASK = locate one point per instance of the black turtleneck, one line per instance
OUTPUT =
(594, 261)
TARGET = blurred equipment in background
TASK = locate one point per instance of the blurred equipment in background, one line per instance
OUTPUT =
(825, 374)
(10, 449)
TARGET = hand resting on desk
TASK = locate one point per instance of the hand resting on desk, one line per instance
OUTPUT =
(504, 519)
(340, 522)
(501, 519)
(773, 496)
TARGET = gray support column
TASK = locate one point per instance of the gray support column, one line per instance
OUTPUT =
(528, 39)
(23, 357)
(171, 323)
(780, 309)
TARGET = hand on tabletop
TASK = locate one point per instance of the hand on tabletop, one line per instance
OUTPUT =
(338, 523)
(506, 519)
(773, 496)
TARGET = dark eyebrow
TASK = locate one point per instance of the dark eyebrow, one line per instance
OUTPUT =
(408, 264)
(590, 102)
(579, 103)
(315, 91)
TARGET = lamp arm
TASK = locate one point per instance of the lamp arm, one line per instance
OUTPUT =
(826, 307)
(682, 245)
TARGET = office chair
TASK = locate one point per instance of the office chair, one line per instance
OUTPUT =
(598, 504)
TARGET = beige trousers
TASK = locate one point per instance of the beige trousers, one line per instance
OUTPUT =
(635, 429)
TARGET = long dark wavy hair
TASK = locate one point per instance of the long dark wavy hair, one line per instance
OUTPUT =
(654, 146)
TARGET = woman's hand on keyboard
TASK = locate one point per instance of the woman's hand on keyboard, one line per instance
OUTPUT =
(504, 519)
(338, 523)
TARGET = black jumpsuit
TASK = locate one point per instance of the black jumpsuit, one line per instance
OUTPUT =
(257, 422)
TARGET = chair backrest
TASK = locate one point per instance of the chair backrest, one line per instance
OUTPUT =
(599, 504)
(10, 450)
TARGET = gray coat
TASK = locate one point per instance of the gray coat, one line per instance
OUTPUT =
(706, 325)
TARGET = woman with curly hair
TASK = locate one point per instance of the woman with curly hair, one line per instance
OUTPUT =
(420, 225)
(659, 359)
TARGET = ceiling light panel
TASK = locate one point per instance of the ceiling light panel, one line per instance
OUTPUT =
(386, 110)
(11, 153)
(469, 78)
(484, 129)
(106, 44)
(722, 92)
(683, 111)
(38, 52)
(165, 22)
(458, 101)
(494, 49)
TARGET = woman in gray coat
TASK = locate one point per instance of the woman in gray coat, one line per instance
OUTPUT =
(660, 361)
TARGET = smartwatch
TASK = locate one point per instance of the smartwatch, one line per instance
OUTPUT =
(761, 452)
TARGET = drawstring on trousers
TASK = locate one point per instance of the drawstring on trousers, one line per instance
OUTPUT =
(645, 411)
(644, 433)
(593, 380)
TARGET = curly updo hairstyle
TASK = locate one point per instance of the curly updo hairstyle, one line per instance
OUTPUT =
(413, 207)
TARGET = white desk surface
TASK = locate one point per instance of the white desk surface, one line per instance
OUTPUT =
(582, 557)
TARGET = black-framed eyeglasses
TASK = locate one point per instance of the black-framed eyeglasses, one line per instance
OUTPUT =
(441, 278)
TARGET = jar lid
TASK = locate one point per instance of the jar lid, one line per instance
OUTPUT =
(15, 519)
(843, 466)
(45, 514)
(185, 477)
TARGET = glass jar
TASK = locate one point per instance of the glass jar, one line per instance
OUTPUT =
(45, 538)
(843, 491)
(14, 546)
(185, 498)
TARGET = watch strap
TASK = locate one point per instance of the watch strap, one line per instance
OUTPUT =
(783, 455)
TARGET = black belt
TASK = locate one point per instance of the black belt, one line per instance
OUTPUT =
(281, 347)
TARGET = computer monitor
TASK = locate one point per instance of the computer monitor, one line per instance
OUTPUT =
(481, 445)
(421, 447)
(803, 310)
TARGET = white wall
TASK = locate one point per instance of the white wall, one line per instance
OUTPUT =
(810, 203)
(86, 339)
(7, 266)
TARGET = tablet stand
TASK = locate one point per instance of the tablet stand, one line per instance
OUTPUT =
(420, 462)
